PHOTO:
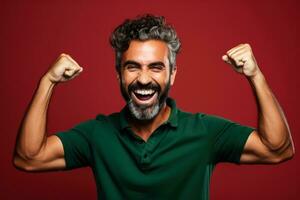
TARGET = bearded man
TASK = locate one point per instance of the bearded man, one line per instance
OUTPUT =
(151, 149)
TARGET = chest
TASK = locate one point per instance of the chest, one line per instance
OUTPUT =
(167, 154)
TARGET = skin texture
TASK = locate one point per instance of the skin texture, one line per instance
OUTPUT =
(147, 63)
(34, 150)
(271, 143)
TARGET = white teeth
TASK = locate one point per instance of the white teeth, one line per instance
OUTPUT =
(144, 92)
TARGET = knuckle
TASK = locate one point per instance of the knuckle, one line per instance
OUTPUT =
(65, 56)
(62, 55)
(232, 56)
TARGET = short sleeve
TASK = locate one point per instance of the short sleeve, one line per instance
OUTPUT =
(76, 145)
(228, 138)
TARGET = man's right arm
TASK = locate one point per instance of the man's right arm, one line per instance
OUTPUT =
(34, 150)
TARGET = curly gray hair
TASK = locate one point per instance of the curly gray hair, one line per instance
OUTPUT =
(143, 28)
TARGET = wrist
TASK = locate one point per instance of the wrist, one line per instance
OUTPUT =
(258, 77)
(46, 82)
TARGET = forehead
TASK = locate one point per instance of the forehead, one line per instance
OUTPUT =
(146, 51)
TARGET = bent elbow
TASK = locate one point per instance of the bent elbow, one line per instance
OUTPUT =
(291, 152)
(288, 154)
(21, 164)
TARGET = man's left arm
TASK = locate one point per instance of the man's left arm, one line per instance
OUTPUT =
(272, 141)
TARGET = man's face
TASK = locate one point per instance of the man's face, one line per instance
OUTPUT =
(145, 77)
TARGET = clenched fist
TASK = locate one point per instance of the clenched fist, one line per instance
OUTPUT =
(242, 60)
(64, 69)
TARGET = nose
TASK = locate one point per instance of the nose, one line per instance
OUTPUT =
(144, 77)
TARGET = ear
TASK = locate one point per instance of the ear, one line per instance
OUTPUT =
(173, 75)
(118, 77)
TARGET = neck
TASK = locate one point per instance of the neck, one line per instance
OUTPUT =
(145, 128)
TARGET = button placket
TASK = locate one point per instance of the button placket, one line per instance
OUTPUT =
(145, 156)
(149, 147)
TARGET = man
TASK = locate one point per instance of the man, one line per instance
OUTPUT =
(152, 149)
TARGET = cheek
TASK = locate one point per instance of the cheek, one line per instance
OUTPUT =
(162, 78)
(126, 80)
(129, 76)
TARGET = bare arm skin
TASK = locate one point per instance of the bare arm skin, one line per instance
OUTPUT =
(272, 142)
(34, 150)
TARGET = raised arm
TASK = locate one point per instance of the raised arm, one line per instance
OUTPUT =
(34, 150)
(272, 142)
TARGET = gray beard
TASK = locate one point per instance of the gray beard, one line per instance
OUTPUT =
(142, 112)
(145, 113)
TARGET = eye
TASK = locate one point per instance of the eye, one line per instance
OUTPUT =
(131, 67)
(157, 68)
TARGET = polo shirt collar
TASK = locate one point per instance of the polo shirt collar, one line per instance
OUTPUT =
(172, 120)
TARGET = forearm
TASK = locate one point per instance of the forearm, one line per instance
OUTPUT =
(272, 124)
(32, 134)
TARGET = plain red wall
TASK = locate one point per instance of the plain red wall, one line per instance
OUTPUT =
(34, 33)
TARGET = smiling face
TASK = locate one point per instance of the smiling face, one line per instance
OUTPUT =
(145, 77)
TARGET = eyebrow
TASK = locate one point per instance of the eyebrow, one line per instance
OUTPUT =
(131, 62)
(157, 63)
(128, 62)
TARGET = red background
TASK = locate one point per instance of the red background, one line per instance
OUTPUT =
(34, 33)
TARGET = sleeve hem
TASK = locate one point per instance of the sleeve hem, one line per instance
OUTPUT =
(242, 144)
(65, 147)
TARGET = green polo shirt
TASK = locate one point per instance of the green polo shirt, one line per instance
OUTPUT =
(176, 162)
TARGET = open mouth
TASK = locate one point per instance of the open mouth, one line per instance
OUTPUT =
(143, 96)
